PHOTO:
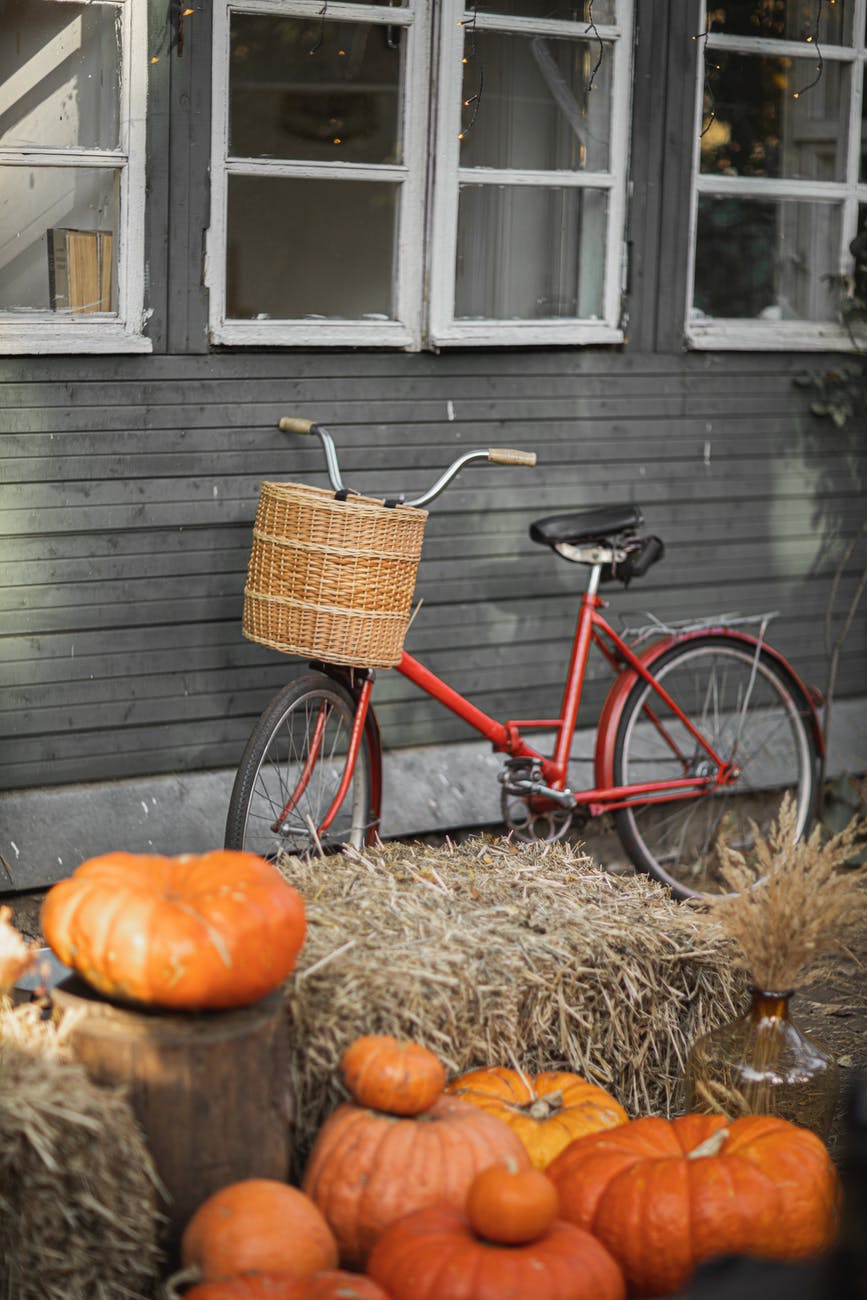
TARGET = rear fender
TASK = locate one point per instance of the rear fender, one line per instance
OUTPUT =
(612, 709)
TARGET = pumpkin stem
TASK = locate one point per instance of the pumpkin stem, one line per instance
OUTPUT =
(184, 1278)
(711, 1146)
(542, 1107)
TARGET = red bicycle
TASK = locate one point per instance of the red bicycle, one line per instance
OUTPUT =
(702, 733)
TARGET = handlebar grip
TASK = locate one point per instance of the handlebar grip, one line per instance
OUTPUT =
(506, 456)
(291, 425)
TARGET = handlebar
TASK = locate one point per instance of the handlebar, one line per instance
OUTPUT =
(495, 455)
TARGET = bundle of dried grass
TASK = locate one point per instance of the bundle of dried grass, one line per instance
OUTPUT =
(78, 1214)
(793, 902)
(491, 952)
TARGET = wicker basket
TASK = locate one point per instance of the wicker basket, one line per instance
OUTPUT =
(331, 579)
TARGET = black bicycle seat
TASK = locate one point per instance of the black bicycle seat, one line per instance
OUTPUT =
(594, 525)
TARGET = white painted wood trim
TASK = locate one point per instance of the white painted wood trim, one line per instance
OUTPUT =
(771, 48)
(576, 30)
(319, 171)
(400, 15)
(545, 333)
(540, 179)
(46, 336)
(73, 157)
(304, 333)
(768, 336)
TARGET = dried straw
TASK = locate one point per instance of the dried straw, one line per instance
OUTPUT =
(78, 1214)
(794, 903)
(491, 952)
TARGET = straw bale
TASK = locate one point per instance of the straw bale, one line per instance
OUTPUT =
(491, 952)
(78, 1213)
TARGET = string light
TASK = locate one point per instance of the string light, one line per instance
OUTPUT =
(473, 102)
(591, 27)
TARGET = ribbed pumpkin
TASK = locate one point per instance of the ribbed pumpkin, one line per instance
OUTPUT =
(335, 1284)
(547, 1110)
(368, 1169)
(256, 1225)
(663, 1195)
(489, 1254)
(211, 931)
(393, 1075)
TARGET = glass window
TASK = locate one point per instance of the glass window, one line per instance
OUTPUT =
(777, 182)
(71, 157)
(419, 173)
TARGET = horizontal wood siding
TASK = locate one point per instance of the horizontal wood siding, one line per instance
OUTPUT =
(129, 486)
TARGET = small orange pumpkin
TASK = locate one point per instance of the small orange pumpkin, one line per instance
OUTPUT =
(256, 1225)
(439, 1253)
(335, 1284)
(400, 1078)
(663, 1195)
(217, 930)
(511, 1205)
(367, 1169)
(547, 1111)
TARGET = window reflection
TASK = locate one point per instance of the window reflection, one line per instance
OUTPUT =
(758, 127)
(766, 259)
(790, 20)
(314, 90)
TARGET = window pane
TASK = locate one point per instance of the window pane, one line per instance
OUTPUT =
(59, 75)
(313, 90)
(310, 248)
(530, 254)
(789, 20)
(534, 109)
(575, 11)
(57, 228)
(758, 128)
(768, 260)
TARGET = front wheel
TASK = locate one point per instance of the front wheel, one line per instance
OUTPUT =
(290, 773)
(754, 715)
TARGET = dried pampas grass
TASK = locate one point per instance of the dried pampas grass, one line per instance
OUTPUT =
(793, 903)
(78, 1216)
(490, 952)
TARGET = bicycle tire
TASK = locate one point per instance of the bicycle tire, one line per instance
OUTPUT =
(276, 756)
(753, 712)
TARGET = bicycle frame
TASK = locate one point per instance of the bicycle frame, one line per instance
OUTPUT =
(506, 737)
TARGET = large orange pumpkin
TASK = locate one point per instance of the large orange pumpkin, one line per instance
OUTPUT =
(335, 1284)
(368, 1169)
(221, 929)
(663, 1195)
(487, 1254)
(547, 1111)
(256, 1225)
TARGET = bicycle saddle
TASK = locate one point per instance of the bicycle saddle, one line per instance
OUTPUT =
(597, 524)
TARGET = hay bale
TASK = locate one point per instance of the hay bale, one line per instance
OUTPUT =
(78, 1216)
(490, 952)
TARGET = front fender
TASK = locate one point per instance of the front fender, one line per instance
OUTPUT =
(612, 709)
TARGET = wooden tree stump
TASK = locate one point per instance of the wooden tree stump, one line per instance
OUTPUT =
(209, 1089)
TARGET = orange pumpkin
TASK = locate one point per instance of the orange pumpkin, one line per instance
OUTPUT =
(663, 1195)
(257, 1225)
(334, 1284)
(547, 1111)
(439, 1254)
(367, 1168)
(218, 930)
(402, 1078)
(511, 1205)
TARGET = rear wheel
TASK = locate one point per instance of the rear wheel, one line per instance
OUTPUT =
(290, 772)
(753, 714)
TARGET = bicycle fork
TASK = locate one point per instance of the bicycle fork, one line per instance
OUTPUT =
(313, 752)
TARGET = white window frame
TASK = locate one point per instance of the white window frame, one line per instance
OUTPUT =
(404, 330)
(759, 335)
(35, 332)
(444, 328)
(425, 252)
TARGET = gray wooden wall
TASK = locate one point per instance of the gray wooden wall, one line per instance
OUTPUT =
(129, 487)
